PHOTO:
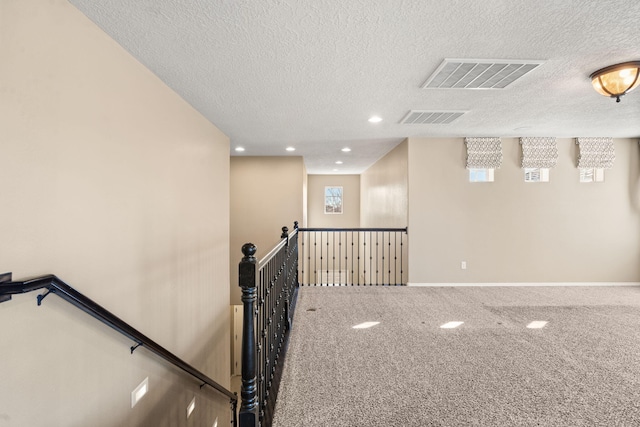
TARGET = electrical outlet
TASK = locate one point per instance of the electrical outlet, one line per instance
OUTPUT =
(463, 265)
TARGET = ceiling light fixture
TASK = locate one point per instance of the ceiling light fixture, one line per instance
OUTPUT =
(375, 119)
(616, 80)
(339, 162)
(239, 149)
(346, 149)
(291, 149)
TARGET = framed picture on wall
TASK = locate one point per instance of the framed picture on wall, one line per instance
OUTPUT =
(332, 200)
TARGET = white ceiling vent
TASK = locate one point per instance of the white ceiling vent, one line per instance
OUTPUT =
(479, 73)
(424, 117)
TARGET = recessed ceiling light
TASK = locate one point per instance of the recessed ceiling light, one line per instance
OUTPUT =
(335, 169)
(291, 149)
(365, 325)
(239, 149)
(375, 119)
(451, 325)
(346, 149)
(339, 162)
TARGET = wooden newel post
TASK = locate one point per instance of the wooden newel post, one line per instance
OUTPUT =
(248, 271)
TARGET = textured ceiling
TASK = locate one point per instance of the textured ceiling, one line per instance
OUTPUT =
(308, 74)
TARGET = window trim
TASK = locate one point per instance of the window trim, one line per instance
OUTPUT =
(543, 175)
(596, 175)
(339, 197)
(474, 172)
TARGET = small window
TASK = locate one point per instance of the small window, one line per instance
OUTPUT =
(333, 200)
(536, 175)
(591, 175)
(481, 175)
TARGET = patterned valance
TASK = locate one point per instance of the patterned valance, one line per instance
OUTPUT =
(539, 152)
(484, 153)
(596, 153)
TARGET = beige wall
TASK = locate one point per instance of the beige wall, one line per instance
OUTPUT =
(383, 191)
(305, 199)
(512, 231)
(267, 193)
(111, 181)
(351, 201)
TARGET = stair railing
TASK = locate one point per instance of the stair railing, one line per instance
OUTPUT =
(269, 291)
(353, 256)
(54, 285)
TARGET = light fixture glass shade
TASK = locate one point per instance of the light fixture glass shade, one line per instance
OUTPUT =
(617, 80)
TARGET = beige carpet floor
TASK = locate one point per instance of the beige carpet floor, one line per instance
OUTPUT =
(581, 369)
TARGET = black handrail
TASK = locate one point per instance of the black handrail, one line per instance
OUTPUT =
(56, 286)
(405, 229)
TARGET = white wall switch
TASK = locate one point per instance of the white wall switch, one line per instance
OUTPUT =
(463, 265)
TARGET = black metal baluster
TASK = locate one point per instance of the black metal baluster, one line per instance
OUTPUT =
(311, 266)
(370, 258)
(306, 237)
(380, 251)
(364, 259)
(321, 256)
(346, 258)
(333, 258)
(401, 263)
(387, 256)
(395, 258)
(340, 259)
(382, 260)
(327, 276)
(358, 252)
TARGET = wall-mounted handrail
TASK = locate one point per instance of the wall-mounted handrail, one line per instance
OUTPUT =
(56, 286)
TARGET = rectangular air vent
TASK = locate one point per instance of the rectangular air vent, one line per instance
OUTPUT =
(478, 73)
(424, 117)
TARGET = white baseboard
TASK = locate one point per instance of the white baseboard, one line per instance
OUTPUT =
(515, 284)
